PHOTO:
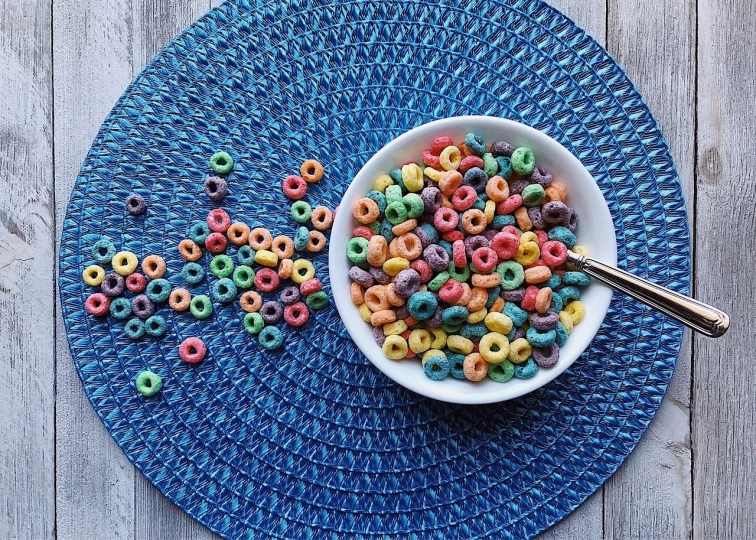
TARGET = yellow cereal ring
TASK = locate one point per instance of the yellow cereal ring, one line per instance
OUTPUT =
(489, 211)
(430, 353)
(528, 253)
(303, 270)
(519, 351)
(529, 236)
(365, 313)
(433, 174)
(450, 158)
(576, 311)
(395, 347)
(566, 320)
(124, 263)
(266, 258)
(395, 328)
(494, 347)
(412, 176)
(439, 338)
(459, 344)
(477, 316)
(93, 275)
(498, 322)
(285, 268)
(382, 182)
(395, 265)
(419, 341)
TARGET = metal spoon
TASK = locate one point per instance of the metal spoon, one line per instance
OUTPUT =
(701, 317)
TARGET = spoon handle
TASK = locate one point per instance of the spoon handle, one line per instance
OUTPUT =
(701, 317)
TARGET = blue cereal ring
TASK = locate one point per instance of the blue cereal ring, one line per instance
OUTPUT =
(563, 235)
(301, 237)
(527, 370)
(134, 328)
(422, 305)
(380, 200)
(103, 251)
(270, 338)
(432, 232)
(158, 290)
(505, 167)
(199, 232)
(561, 335)
(540, 339)
(447, 247)
(553, 282)
(120, 308)
(386, 230)
(473, 332)
(557, 301)
(436, 368)
(224, 290)
(155, 326)
(193, 273)
(475, 144)
(455, 315)
(576, 278)
(246, 255)
(456, 365)
(493, 294)
(396, 176)
(518, 315)
(569, 294)
(499, 222)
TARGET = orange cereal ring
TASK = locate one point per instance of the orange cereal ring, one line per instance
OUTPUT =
(316, 242)
(285, 268)
(393, 248)
(474, 221)
(497, 306)
(523, 220)
(322, 218)
(409, 246)
(311, 170)
(379, 318)
(543, 300)
(189, 250)
(465, 298)
(377, 252)
(393, 298)
(446, 202)
(561, 189)
(449, 182)
(260, 238)
(464, 150)
(153, 266)
(251, 301)
(357, 293)
(365, 211)
(238, 233)
(478, 299)
(497, 189)
(179, 299)
(405, 227)
(486, 281)
(537, 274)
(283, 247)
(377, 299)
(552, 195)
(474, 367)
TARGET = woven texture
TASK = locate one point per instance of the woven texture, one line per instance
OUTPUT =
(312, 440)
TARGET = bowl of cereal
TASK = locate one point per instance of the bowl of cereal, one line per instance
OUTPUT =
(447, 259)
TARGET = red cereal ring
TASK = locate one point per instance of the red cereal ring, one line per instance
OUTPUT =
(294, 187)
(528, 303)
(218, 220)
(215, 242)
(431, 160)
(469, 162)
(97, 304)
(192, 350)
(266, 280)
(445, 219)
(136, 282)
(363, 232)
(464, 197)
(451, 291)
(453, 236)
(542, 237)
(439, 143)
(310, 286)
(458, 254)
(410, 353)
(505, 245)
(423, 268)
(553, 253)
(509, 205)
(410, 321)
(296, 314)
(485, 259)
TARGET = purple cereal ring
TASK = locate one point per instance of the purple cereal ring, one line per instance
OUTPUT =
(544, 321)
(473, 243)
(431, 199)
(379, 336)
(407, 282)
(112, 285)
(519, 333)
(516, 187)
(554, 212)
(379, 275)
(570, 220)
(135, 204)
(422, 234)
(502, 148)
(546, 359)
(290, 295)
(271, 312)
(402, 312)
(436, 257)
(516, 296)
(363, 277)
(215, 188)
(142, 307)
(541, 176)
(489, 234)
(437, 319)
(534, 213)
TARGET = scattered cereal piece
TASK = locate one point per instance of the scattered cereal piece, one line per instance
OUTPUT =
(148, 383)
(221, 162)
(135, 204)
(192, 350)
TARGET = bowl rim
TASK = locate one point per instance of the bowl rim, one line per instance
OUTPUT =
(343, 301)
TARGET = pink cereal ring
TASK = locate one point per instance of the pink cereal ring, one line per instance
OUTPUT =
(294, 187)
(485, 259)
(296, 314)
(458, 254)
(528, 303)
(505, 245)
(423, 268)
(439, 143)
(509, 205)
(266, 280)
(363, 232)
(97, 304)
(453, 236)
(192, 350)
(469, 162)
(215, 242)
(554, 253)
(445, 219)
(218, 220)
(539, 262)
(451, 291)
(542, 237)
(464, 197)
(431, 160)
(136, 282)
(310, 286)
(511, 229)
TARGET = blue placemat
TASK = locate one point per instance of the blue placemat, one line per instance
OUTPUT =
(312, 440)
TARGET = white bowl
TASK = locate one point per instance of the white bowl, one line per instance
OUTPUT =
(595, 232)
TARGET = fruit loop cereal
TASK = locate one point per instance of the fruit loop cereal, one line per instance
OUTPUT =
(461, 262)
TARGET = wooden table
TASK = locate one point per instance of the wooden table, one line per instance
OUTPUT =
(63, 64)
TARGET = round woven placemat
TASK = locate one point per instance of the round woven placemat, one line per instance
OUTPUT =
(312, 440)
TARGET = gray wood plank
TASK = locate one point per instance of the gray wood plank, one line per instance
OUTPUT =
(724, 423)
(650, 496)
(587, 521)
(27, 230)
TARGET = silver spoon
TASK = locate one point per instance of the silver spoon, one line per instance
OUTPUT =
(701, 317)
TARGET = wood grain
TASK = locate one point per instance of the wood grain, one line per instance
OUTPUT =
(27, 230)
(650, 495)
(724, 423)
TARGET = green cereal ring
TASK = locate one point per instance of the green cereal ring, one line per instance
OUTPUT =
(201, 307)
(244, 276)
(523, 161)
(501, 373)
(148, 383)
(253, 323)
(460, 274)
(393, 193)
(193, 273)
(134, 328)
(158, 290)
(221, 162)
(103, 251)
(450, 328)
(376, 227)
(380, 200)
(317, 300)
(301, 237)
(533, 195)
(155, 326)
(437, 282)
(245, 255)
(512, 275)
(357, 250)
(396, 213)
(199, 232)
(414, 205)
(490, 165)
(120, 308)
(224, 290)
(301, 211)
(222, 266)
(270, 338)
